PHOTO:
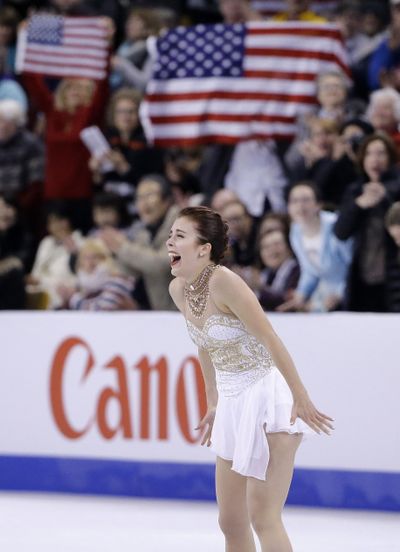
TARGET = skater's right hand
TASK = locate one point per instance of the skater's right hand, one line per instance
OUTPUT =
(206, 425)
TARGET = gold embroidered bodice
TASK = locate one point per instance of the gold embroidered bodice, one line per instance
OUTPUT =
(238, 357)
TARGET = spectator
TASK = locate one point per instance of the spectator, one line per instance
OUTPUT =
(374, 18)
(145, 256)
(132, 65)
(8, 27)
(214, 165)
(340, 169)
(181, 169)
(129, 157)
(274, 221)
(323, 259)
(237, 11)
(16, 251)
(257, 176)
(242, 234)
(392, 223)
(109, 211)
(310, 156)
(332, 96)
(348, 16)
(373, 23)
(21, 159)
(76, 104)
(362, 217)
(52, 262)
(10, 89)
(384, 65)
(332, 90)
(299, 10)
(277, 280)
(100, 284)
(221, 198)
(72, 7)
(384, 113)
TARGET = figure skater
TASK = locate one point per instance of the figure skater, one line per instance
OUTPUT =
(257, 406)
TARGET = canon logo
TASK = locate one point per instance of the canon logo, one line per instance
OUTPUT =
(119, 395)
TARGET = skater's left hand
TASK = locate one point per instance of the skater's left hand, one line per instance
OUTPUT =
(303, 408)
(207, 423)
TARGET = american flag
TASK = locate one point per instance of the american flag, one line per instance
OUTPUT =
(226, 83)
(271, 7)
(63, 46)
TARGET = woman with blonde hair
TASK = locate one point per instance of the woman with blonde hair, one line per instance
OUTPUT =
(76, 104)
(100, 282)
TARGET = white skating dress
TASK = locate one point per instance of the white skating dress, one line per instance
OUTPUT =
(252, 394)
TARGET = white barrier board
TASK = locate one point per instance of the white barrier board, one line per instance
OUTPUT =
(126, 386)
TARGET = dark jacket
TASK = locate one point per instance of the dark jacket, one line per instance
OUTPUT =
(141, 158)
(278, 284)
(353, 221)
(392, 294)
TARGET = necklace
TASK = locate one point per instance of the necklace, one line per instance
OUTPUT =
(198, 292)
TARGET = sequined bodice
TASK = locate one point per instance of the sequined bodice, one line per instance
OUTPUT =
(238, 358)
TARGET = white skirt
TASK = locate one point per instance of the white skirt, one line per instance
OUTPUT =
(238, 433)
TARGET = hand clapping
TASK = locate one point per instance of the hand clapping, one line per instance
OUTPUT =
(372, 195)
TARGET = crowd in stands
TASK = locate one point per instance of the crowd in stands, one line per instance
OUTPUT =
(314, 222)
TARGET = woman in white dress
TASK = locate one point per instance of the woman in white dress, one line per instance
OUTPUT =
(258, 408)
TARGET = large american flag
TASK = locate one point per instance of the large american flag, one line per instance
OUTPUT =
(63, 46)
(271, 7)
(226, 83)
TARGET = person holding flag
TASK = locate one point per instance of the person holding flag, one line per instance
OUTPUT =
(48, 46)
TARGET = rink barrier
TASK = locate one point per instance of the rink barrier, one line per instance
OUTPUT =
(107, 403)
(161, 480)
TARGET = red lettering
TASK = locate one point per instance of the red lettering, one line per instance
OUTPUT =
(145, 369)
(182, 400)
(56, 385)
(121, 396)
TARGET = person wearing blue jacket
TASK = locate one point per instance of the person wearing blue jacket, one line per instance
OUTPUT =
(324, 259)
(385, 61)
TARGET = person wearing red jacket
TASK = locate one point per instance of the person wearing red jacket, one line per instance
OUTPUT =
(76, 104)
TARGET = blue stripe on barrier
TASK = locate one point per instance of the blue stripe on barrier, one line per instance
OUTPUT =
(310, 487)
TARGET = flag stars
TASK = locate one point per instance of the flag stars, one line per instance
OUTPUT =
(200, 52)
